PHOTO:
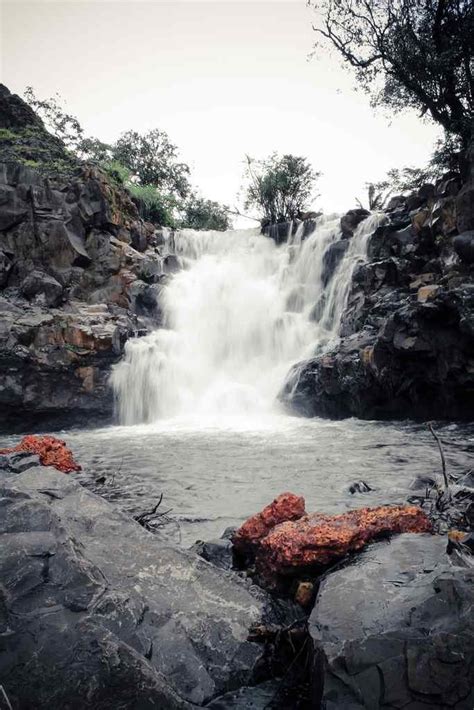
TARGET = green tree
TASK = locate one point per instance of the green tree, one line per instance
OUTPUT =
(200, 213)
(279, 187)
(67, 127)
(153, 159)
(409, 53)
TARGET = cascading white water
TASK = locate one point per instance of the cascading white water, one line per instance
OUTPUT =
(237, 316)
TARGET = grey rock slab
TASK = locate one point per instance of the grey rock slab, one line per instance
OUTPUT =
(85, 576)
(396, 628)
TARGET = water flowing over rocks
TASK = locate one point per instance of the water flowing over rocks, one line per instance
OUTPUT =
(406, 335)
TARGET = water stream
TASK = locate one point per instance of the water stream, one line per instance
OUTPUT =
(197, 398)
(236, 317)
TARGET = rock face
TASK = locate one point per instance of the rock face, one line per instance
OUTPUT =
(395, 629)
(287, 542)
(94, 607)
(407, 333)
(80, 273)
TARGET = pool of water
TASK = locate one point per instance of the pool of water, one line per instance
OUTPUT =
(214, 474)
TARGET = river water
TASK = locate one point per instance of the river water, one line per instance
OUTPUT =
(197, 399)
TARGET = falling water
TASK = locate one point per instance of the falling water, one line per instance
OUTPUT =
(236, 317)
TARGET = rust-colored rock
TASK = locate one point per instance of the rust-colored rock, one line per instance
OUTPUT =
(286, 541)
(51, 452)
(287, 506)
(318, 540)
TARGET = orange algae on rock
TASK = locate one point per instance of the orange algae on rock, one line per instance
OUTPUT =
(51, 452)
(287, 506)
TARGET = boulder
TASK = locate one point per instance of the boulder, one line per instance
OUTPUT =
(395, 629)
(285, 541)
(97, 608)
(351, 220)
(287, 506)
(38, 283)
(464, 246)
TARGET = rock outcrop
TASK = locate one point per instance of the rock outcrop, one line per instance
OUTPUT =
(285, 542)
(395, 629)
(407, 333)
(95, 610)
(80, 273)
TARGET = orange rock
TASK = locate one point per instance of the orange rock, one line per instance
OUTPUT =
(318, 540)
(51, 452)
(287, 506)
(286, 541)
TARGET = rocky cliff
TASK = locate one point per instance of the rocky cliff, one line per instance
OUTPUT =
(80, 273)
(407, 345)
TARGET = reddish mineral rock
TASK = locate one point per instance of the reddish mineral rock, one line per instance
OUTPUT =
(287, 506)
(51, 452)
(318, 539)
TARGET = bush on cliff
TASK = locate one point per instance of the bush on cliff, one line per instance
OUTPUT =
(279, 187)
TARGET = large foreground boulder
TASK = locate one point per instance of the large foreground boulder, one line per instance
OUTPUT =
(396, 629)
(95, 612)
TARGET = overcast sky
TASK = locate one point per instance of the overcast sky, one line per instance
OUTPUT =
(222, 78)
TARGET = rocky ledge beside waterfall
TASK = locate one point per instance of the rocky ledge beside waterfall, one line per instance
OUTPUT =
(407, 345)
(80, 273)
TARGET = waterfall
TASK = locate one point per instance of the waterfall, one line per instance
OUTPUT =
(237, 316)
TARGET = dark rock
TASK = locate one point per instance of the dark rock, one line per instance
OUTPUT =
(97, 608)
(332, 258)
(38, 283)
(465, 208)
(464, 246)
(421, 483)
(217, 552)
(351, 220)
(5, 268)
(14, 112)
(410, 642)
(19, 461)
(359, 487)
(171, 264)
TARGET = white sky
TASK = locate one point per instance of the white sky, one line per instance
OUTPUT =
(222, 78)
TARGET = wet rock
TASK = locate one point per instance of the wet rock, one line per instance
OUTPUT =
(97, 608)
(421, 483)
(50, 450)
(38, 283)
(464, 246)
(359, 487)
(218, 552)
(351, 220)
(18, 461)
(411, 642)
(287, 506)
(332, 258)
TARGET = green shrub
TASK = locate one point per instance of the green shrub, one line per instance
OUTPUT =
(152, 205)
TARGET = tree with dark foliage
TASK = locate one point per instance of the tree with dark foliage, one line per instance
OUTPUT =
(152, 158)
(409, 53)
(280, 187)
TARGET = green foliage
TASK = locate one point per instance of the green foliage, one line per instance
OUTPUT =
(154, 206)
(118, 172)
(200, 213)
(147, 166)
(67, 128)
(280, 187)
(7, 135)
(153, 159)
(408, 53)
